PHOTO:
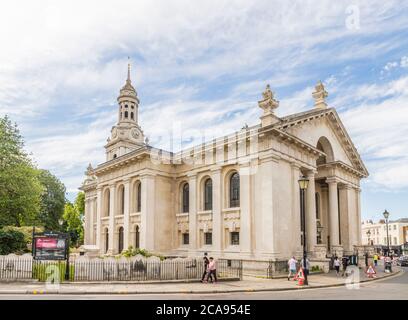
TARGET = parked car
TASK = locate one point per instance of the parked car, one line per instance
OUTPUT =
(403, 261)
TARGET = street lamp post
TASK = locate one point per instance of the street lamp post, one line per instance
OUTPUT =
(368, 233)
(303, 184)
(61, 222)
(386, 214)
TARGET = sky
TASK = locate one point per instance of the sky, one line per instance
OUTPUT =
(203, 65)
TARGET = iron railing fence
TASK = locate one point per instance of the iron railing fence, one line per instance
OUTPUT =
(110, 270)
(276, 268)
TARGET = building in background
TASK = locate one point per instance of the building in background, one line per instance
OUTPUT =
(375, 234)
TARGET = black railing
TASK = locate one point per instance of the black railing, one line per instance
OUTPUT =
(276, 268)
(108, 270)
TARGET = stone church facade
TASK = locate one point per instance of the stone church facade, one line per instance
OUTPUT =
(236, 196)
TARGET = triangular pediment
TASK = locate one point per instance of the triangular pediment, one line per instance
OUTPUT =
(309, 126)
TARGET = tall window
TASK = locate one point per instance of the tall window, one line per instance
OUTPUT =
(234, 190)
(137, 239)
(234, 238)
(122, 200)
(131, 116)
(106, 240)
(106, 202)
(186, 238)
(139, 197)
(120, 244)
(208, 194)
(185, 198)
(208, 238)
(126, 114)
(317, 200)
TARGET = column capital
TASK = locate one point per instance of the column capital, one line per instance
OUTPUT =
(332, 180)
(295, 165)
(126, 180)
(311, 173)
(345, 186)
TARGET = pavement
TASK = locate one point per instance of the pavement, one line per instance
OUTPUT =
(248, 284)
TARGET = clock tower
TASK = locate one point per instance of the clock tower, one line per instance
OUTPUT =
(126, 135)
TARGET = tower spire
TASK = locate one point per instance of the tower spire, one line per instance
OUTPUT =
(128, 75)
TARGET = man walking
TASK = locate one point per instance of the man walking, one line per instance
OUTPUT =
(292, 267)
(375, 258)
(307, 268)
(344, 262)
(206, 263)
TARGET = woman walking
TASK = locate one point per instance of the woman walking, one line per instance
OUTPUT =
(336, 264)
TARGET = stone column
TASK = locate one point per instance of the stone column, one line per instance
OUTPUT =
(126, 214)
(324, 213)
(147, 212)
(311, 232)
(264, 208)
(99, 237)
(112, 190)
(347, 218)
(217, 217)
(87, 223)
(245, 205)
(296, 227)
(192, 220)
(357, 192)
(333, 212)
(91, 221)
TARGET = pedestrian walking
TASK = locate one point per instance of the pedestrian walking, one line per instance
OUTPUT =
(344, 262)
(292, 267)
(336, 264)
(307, 268)
(206, 263)
(212, 270)
(375, 258)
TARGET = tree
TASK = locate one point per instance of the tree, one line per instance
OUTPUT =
(73, 216)
(52, 200)
(20, 189)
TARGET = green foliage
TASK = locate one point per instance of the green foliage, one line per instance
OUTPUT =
(27, 231)
(131, 252)
(73, 216)
(42, 271)
(12, 241)
(20, 189)
(52, 200)
(315, 269)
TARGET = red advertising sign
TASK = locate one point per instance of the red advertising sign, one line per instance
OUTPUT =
(46, 243)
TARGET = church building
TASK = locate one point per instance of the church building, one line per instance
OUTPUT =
(236, 196)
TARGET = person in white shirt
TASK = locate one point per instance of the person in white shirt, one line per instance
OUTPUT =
(336, 264)
(292, 267)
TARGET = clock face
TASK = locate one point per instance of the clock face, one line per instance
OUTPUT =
(135, 133)
(114, 133)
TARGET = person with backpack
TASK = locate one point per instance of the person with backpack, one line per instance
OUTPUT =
(344, 262)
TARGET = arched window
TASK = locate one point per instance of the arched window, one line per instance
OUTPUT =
(208, 194)
(234, 190)
(121, 200)
(131, 116)
(120, 244)
(106, 240)
(186, 198)
(137, 239)
(126, 114)
(139, 197)
(106, 202)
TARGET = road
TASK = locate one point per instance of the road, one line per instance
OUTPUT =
(391, 288)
